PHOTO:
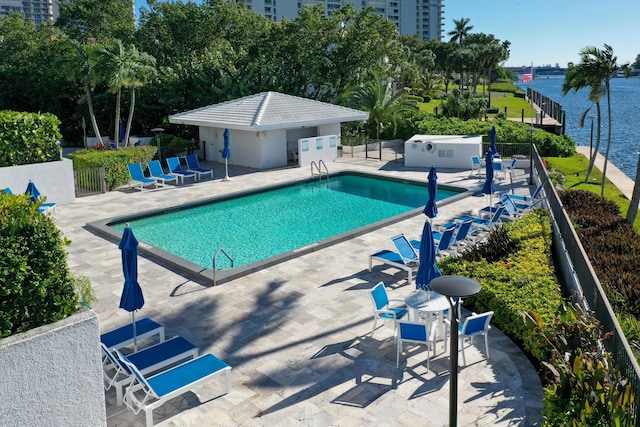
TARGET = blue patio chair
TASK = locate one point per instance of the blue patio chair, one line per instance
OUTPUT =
(123, 336)
(156, 172)
(415, 333)
(137, 177)
(193, 165)
(176, 170)
(146, 394)
(382, 308)
(150, 359)
(476, 166)
(475, 325)
(404, 258)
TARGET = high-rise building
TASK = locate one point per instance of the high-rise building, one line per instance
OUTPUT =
(422, 17)
(38, 11)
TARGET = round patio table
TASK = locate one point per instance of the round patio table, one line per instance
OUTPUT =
(425, 304)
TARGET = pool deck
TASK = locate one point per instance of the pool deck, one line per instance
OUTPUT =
(297, 334)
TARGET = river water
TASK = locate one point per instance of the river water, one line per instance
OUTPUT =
(625, 114)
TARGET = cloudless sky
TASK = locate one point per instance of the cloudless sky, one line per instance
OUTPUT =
(546, 32)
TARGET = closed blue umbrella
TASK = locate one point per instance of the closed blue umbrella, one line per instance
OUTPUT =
(492, 138)
(488, 188)
(226, 154)
(431, 208)
(32, 191)
(428, 270)
(132, 298)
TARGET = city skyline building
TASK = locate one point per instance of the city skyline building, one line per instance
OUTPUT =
(424, 18)
(38, 11)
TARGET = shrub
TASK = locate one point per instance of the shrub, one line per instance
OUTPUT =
(36, 287)
(612, 245)
(171, 145)
(516, 276)
(114, 162)
(27, 138)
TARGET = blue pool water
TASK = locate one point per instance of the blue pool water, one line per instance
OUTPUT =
(255, 227)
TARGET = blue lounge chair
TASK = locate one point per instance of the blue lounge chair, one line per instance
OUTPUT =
(151, 359)
(123, 336)
(137, 176)
(405, 258)
(534, 199)
(149, 393)
(156, 172)
(442, 240)
(483, 223)
(176, 170)
(193, 165)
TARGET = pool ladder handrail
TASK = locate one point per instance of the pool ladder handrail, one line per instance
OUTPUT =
(318, 167)
(215, 258)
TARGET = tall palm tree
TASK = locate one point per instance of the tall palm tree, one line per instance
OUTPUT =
(462, 29)
(143, 68)
(596, 69)
(126, 68)
(383, 105)
(577, 78)
(79, 64)
(459, 34)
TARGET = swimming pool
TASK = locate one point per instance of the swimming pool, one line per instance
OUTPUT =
(270, 225)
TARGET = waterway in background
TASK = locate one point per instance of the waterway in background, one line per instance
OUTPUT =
(625, 115)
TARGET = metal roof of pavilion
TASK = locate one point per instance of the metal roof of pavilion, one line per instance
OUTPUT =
(266, 111)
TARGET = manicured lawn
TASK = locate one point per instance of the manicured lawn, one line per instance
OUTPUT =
(574, 169)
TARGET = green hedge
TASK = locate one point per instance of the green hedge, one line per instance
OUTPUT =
(114, 161)
(36, 287)
(510, 131)
(27, 138)
(516, 272)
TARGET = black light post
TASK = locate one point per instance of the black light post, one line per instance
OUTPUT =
(531, 131)
(157, 132)
(454, 287)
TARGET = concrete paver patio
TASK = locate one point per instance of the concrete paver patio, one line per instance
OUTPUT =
(297, 333)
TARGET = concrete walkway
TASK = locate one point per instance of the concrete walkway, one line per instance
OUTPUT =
(615, 175)
(298, 334)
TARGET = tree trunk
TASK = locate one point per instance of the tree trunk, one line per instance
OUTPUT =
(592, 160)
(92, 116)
(606, 155)
(635, 197)
(116, 132)
(130, 119)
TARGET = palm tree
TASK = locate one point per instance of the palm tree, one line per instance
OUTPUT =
(126, 68)
(143, 68)
(461, 31)
(577, 78)
(382, 104)
(79, 64)
(596, 69)
(459, 34)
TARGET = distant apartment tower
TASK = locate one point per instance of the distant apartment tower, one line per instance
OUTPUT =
(422, 17)
(38, 11)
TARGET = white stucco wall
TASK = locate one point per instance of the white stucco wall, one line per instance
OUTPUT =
(54, 180)
(52, 375)
(273, 147)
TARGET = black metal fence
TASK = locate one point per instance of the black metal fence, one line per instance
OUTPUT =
(89, 181)
(583, 284)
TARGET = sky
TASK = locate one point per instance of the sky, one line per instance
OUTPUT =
(547, 32)
(550, 32)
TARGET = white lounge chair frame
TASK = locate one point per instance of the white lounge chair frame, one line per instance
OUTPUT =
(182, 382)
(116, 375)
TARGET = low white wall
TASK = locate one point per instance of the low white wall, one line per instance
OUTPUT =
(52, 375)
(54, 180)
(323, 148)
